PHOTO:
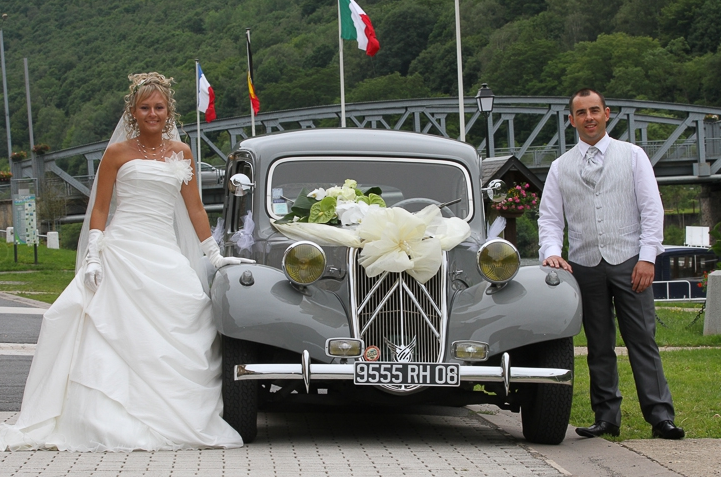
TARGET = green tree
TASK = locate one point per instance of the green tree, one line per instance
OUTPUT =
(393, 86)
(705, 34)
(517, 70)
(403, 34)
(527, 235)
(673, 235)
(596, 64)
(640, 17)
(317, 86)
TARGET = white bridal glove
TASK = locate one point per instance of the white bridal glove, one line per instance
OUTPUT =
(93, 270)
(212, 251)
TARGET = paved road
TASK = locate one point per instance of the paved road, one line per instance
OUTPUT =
(19, 328)
(307, 441)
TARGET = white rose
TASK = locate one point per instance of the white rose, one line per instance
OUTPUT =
(334, 191)
(350, 183)
(347, 194)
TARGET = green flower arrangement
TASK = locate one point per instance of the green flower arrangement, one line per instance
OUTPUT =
(345, 205)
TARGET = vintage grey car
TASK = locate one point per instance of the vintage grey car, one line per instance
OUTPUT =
(312, 321)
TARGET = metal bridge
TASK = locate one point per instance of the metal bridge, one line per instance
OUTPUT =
(683, 141)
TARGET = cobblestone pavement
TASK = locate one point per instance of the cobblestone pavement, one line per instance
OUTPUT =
(428, 441)
(432, 442)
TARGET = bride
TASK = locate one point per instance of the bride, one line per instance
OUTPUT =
(127, 356)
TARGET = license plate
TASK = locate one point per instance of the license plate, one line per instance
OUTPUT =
(409, 374)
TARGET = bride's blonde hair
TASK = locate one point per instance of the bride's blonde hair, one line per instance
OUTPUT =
(142, 85)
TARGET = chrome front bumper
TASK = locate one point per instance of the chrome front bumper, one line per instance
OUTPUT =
(325, 372)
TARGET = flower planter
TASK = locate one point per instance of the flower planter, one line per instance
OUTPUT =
(511, 214)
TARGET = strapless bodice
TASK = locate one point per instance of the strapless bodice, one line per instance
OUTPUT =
(146, 194)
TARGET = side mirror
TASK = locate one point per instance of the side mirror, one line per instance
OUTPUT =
(496, 190)
(240, 184)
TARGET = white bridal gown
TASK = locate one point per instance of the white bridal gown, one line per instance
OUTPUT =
(135, 365)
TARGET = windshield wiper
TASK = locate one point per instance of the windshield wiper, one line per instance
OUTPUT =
(446, 204)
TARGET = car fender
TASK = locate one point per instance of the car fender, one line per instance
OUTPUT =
(527, 310)
(271, 311)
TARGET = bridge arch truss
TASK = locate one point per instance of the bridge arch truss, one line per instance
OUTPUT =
(683, 141)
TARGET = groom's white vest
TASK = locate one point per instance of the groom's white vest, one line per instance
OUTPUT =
(603, 221)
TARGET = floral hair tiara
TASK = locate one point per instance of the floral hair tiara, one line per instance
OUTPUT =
(137, 86)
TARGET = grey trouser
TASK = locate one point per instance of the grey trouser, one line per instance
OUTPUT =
(603, 287)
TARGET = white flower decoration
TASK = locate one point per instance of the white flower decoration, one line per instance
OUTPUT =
(318, 194)
(333, 191)
(351, 213)
(181, 167)
(396, 241)
(347, 194)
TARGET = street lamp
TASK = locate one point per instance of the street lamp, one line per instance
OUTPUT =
(484, 99)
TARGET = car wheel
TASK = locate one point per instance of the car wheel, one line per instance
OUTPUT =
(240, 398)
(547, 408)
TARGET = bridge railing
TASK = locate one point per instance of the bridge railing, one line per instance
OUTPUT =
(691, 143)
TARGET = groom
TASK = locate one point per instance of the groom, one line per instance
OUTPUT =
(607, 192)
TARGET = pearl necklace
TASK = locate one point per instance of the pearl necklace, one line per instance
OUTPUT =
(154, 151)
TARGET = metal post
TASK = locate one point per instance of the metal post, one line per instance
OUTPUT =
(197, 122)
(5, 88)
(489, 133)
(37, 170)
(342, 73)
(459, 67)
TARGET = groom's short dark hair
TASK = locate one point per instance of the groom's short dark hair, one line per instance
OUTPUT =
(585, 92)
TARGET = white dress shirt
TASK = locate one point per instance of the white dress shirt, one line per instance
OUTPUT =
(551, 219)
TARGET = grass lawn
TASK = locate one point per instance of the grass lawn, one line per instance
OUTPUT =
(43, 281)
(694, 377)
(676, 330)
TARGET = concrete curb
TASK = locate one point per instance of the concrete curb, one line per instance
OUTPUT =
(599, 457)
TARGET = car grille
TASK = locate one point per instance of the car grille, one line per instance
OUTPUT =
(406, 320)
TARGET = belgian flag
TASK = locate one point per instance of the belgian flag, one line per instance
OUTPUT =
(251, 88)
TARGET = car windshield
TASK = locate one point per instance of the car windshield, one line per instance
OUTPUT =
(400, 180)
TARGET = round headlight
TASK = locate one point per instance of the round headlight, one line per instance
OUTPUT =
(498, 261)
(304, 263)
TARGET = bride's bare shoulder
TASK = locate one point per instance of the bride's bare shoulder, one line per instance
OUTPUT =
(178, 146)
(119, 153)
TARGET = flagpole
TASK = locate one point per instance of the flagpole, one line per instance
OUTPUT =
(342, 74)
(197, 116)
(459, 61)
(252, 109)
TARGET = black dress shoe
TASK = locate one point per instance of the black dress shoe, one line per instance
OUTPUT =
(598, 429)
(668, 430)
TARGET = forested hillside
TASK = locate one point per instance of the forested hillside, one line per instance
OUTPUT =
(81, 51)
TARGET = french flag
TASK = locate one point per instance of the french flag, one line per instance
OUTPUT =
(206, 96)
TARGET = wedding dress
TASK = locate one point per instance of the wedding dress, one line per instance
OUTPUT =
(135, 365)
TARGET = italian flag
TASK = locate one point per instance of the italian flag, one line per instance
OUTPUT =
(355, 25)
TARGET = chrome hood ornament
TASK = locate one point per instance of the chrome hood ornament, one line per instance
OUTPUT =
(402, 353)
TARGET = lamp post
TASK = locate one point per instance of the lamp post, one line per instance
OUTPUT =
(484, 99)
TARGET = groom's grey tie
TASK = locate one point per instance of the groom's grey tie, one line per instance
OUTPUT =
(592, 167)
